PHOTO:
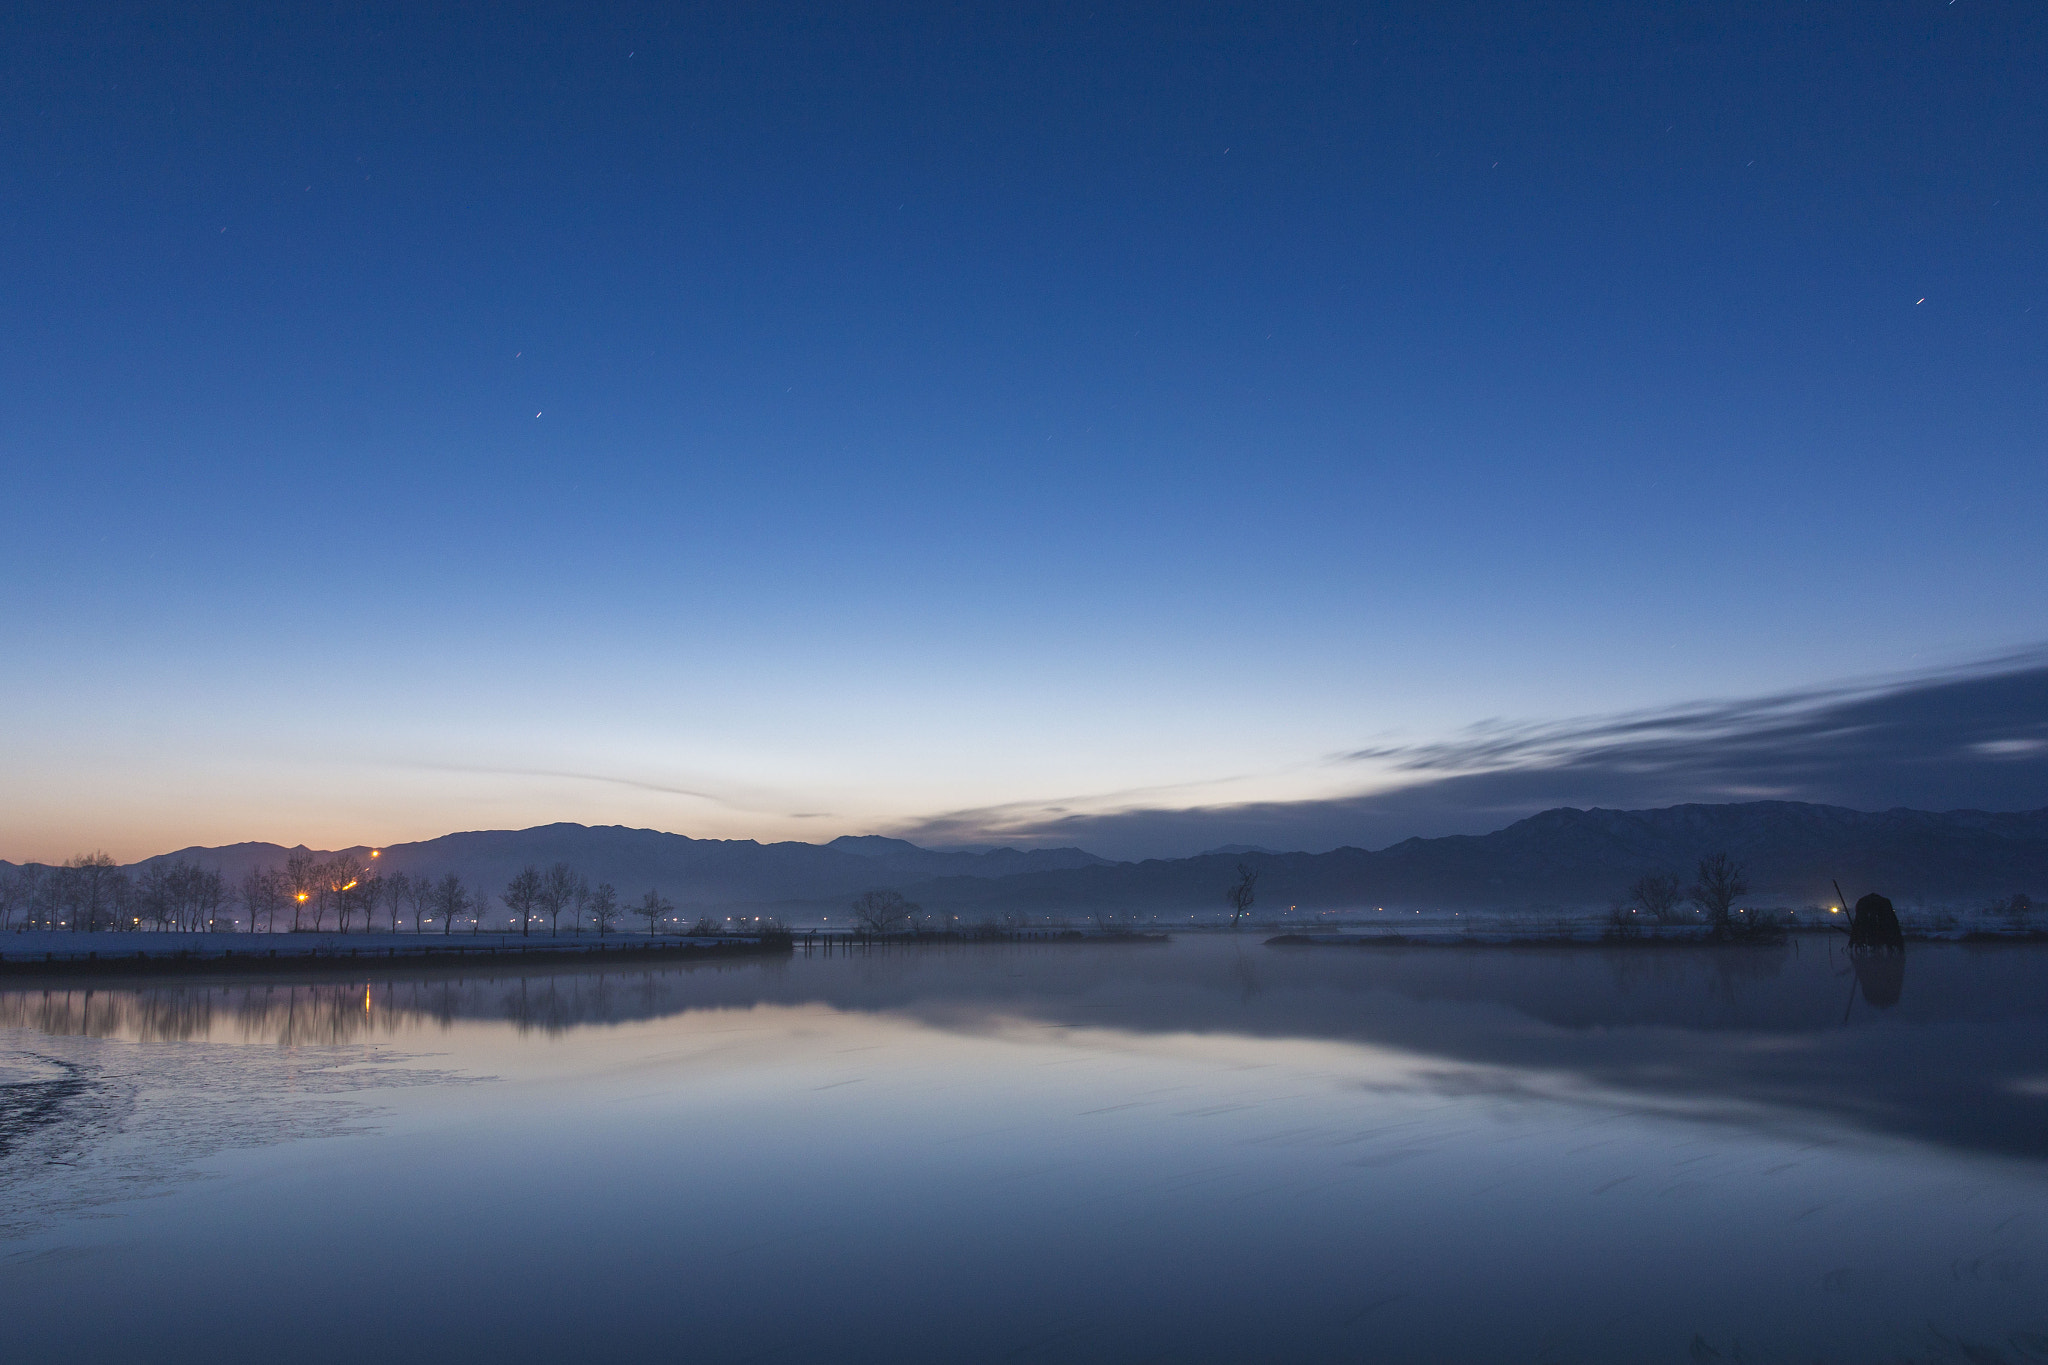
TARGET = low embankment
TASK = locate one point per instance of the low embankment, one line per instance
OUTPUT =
(1594, 936)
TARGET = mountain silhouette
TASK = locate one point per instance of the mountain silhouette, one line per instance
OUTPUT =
(1574, 859)
(1561, 859)
(693, 872)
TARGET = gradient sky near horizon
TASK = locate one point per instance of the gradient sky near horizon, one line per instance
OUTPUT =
(787, 421)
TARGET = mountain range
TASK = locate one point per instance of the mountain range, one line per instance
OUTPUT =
(1560, 859)
(1791, 853)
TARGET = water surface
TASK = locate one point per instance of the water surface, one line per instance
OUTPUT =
(1208, 1150)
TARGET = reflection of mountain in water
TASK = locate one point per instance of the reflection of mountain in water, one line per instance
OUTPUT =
(1739, 1032)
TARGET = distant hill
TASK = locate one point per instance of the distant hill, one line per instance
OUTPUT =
(691, 872)
(905, 858)
(1563, 858)
(1569, 858)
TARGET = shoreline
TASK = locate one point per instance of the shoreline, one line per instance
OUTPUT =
(326, 957)
(1690, 939)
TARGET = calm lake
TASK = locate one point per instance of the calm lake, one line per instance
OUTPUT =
(1209, 1150)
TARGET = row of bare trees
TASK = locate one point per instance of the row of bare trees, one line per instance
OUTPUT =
(545, 894)
(90, 892)
(343, 892)
(352, 890)
(1717, 884)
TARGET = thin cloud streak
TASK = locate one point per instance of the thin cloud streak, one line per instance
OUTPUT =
(1498, 744)
(634, 783)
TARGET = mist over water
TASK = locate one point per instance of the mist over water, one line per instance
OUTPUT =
(1206, 1150)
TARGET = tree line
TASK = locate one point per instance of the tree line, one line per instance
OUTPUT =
(1718, 882)
(346, 893)
(90, 892)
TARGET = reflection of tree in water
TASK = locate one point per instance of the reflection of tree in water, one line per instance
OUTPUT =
(1881, 976)
(1733, 969)
(553, 1002)
(1644, 970)
(1667, 1021)
(647, 993)
(543, 1003)
(1247, 977)
(1738, 966)
(146, 1015)
(333, 1012)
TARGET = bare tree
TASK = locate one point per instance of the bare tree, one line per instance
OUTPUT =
(582, 899)
(449, 900)
(479, 908)
(556, 890)
(1624, 920)
(302, 880)
(652, 907)
(22, 893)
(156, 895)
(881, 910)
(18, 888)
(522, 897)
(419, 898)
(263, 893)
(340, 881)
(604, 908)
(364, 895)
(396, 893)
(208, 892)
(94, 890)
(1242, 893)
(190, 899)
(47, 898)
(178, 895)
(1720, 882)
(1656, 894)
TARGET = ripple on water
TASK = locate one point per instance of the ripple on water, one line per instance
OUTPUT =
(88, 1122)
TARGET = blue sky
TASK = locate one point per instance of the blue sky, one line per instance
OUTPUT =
(783, 422)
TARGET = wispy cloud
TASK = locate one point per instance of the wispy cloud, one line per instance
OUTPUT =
(1995, 709)
(1972, 737)
(756, 805)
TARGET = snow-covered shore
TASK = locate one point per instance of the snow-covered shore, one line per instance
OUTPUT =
(42, 945)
